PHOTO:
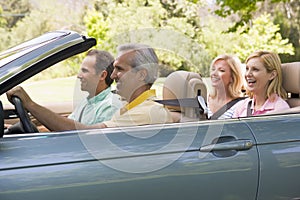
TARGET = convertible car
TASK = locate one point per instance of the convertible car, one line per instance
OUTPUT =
(254, 157)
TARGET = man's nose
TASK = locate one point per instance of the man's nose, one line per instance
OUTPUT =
(79, 75)
(113, 74)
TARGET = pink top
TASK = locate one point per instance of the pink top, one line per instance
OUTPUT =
(277, 105)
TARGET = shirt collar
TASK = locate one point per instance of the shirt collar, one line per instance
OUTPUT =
(140, 99)
(268, 105)
(100, 97)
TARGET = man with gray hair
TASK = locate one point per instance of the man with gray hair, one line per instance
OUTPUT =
(99, 106)
(135, 70)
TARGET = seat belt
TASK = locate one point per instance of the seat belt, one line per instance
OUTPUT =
(226, 107)
(249, 110)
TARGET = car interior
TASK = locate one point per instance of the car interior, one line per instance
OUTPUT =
(291, 82)
(183, 84)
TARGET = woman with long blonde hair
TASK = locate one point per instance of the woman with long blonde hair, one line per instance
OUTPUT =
(226, 82)
(264, 85)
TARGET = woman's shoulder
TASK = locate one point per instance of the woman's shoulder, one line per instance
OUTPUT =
(242, 102)
(280, 102)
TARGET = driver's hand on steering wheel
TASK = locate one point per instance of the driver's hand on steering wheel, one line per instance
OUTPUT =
(19, 92)
(6, 126)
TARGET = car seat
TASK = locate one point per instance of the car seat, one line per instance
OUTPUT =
(189, 89)
(291, 82)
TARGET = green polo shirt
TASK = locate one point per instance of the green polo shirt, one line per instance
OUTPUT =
(97, 109)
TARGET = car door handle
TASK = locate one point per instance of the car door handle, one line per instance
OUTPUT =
(237, 145)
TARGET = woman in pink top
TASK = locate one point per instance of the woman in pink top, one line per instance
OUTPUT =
(264, 85)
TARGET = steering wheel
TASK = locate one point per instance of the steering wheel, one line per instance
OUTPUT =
(28, 126)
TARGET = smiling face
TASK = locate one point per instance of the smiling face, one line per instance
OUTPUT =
(127, 78)
(257, 77)
(220, 74)
(88, 76)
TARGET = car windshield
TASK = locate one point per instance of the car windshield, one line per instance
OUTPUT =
(20, 50)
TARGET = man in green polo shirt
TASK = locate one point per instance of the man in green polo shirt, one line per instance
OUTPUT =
(135, 70)
(94, 75)
(99, 106)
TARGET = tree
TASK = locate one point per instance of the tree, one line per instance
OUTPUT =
(185, 33)
(285, 13)
(172, 27)
(243, 8)
(3, 22)
(48, 17)
(264, 35)
(14, 11)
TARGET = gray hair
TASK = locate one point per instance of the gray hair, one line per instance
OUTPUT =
(145, 58)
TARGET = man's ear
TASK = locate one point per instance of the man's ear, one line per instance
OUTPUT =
(103, 75)
(142, 74)
(273, 75)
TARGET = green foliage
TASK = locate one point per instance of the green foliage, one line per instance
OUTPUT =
(172, 27)
(215, 38)
(184, 33)
(228, 7)
(3, 22)
(284, 12)
(96, 27)
(15, 10)
(262, 35)
(47, 17)
(289, 21)
(243, 8)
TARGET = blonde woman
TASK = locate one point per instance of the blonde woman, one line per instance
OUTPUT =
(264, 85)
(226, 82)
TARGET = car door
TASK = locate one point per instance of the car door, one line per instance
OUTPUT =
(195, 160)
(278, 143)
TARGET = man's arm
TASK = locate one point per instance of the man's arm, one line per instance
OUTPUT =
(55, 122)
(51, 120)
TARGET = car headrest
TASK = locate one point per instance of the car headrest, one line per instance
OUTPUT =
(184, 84)
(291, 77)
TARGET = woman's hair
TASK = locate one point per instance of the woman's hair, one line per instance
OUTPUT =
(271, 62)
(235, 88)
(145, 58)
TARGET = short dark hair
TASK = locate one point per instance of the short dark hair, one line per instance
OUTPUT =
(104, 61)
